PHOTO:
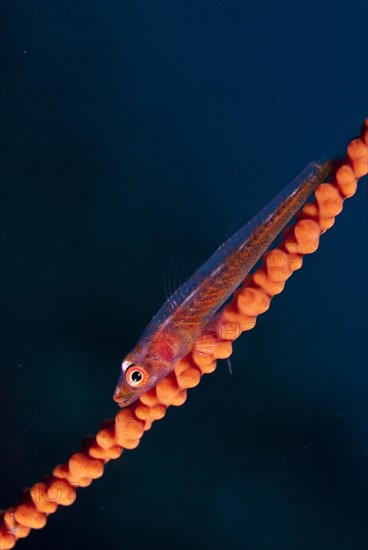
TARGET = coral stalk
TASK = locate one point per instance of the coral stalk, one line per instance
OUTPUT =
(250, 300)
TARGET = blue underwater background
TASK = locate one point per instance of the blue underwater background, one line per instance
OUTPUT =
(135, 138)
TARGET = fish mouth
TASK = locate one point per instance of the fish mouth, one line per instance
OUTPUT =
(123, 404)
(123, 400)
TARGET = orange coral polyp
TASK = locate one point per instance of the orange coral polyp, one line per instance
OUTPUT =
(252, 299)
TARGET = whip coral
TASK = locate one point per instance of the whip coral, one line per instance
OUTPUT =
(250, 300)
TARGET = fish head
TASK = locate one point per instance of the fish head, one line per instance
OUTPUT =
(136, 378)
(149, 362)
(140, 372)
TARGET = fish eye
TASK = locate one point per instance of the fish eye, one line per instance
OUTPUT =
(136, 376)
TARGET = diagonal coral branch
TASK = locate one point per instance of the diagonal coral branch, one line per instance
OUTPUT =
(250, 300)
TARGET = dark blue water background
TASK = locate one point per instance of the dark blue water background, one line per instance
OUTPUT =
(135, 138)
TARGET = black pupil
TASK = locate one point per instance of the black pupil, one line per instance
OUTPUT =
(136, 376)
